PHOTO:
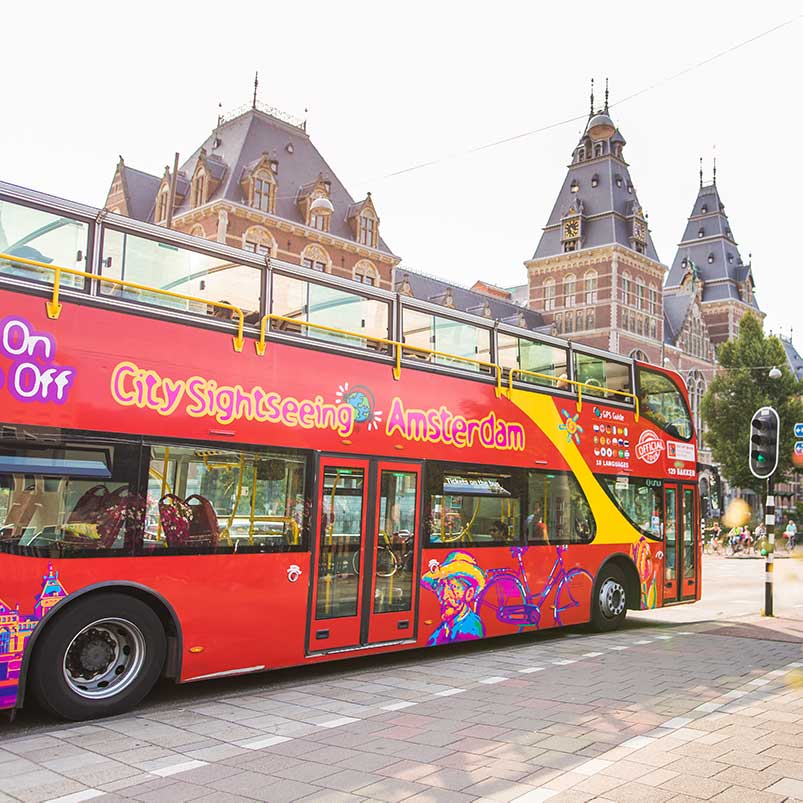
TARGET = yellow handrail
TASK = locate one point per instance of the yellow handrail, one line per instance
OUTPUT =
(397, 346)
(54, 307)
(579, 385)
(54, 310)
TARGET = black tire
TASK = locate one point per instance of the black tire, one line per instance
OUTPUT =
(609, 599)
(111, 635)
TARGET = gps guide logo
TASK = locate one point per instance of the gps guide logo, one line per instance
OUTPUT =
(33, 374)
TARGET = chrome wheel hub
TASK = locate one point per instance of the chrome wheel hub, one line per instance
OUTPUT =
(104, 658)
(612, 598)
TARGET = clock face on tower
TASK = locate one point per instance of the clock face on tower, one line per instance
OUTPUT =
(571, 228)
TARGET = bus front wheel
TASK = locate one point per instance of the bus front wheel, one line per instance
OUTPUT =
(99, 657)
(609, 600)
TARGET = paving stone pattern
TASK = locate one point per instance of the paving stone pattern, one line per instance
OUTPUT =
(647, 714)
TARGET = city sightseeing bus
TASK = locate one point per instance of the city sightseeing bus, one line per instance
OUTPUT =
(311, 469)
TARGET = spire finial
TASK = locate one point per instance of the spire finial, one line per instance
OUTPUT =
(606, 95)
(715, 165)
(591, 114)
(701, 172)
(219, 114)
(256, 86)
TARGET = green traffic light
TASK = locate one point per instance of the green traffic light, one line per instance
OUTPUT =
(760, 458)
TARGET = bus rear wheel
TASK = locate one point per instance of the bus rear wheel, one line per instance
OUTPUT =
(609, 600)
(100, 657)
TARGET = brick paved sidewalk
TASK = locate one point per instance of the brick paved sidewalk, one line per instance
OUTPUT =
(647, 714)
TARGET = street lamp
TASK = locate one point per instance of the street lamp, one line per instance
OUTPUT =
(775, 373)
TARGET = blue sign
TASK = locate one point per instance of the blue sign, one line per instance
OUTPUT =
(799, 430)
(799, 448)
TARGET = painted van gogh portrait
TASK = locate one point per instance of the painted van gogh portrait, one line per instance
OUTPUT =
(456, 582)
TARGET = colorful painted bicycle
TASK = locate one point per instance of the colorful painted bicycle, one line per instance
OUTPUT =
(507, 593)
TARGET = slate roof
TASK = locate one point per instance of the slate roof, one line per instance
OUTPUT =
(429, 288)
(140, 191)
(606, 207)
(793, 358)
(235, 147)
(676, 307)
(708, 235)
(240, 142)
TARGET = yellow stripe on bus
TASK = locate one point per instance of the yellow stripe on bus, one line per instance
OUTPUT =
(612, 526)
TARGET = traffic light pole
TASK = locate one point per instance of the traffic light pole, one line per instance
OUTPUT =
(769, 520)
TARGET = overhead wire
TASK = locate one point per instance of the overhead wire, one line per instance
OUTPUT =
(576, 118)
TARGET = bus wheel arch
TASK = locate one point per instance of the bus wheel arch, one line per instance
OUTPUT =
(156, 602)
(617, 570)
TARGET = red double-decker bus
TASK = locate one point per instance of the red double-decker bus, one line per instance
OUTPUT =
(308, 470)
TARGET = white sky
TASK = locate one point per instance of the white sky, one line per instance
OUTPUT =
(388, 87)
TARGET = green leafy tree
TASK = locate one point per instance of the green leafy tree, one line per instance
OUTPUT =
(738, 390)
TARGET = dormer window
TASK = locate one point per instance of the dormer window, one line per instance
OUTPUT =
(618, 181)
(320, 212)
(703, 209)
(261, 197)
(595, 180)
(727, 232)
(199, 189)
(701, 232)
(711, 259)
(630, 188)
(730, 258)
(574, 187)
(581, 154)
(367, 232)
(162, 202)
(598, 149)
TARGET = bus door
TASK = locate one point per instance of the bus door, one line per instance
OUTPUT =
(365, 553)
(681, 534)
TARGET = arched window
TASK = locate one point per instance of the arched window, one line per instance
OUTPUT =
(639, 293)
(598, 149)
(638, 354)
(549, 295)
(696, 386)
(570, 290)
(315, 257)
(590, 281)
(627, 288)
(258, 240)
(365, 272)
(652, 299)
(199, 185)
(197, 231)
(162, 203)
(590, 323)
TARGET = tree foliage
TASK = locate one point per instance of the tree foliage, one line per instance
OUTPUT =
(738, 390)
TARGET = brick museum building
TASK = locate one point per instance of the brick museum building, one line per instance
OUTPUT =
(258, 182)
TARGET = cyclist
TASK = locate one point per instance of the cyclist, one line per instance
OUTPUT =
(790, 533)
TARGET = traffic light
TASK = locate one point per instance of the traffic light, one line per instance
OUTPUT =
(764, 442)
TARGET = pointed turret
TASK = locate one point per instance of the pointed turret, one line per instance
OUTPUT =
(597, 204)
(595, 274)
(708, 254)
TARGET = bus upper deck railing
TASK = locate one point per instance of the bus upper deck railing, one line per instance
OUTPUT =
(120, 260)
(396, 347)
(54, 305)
